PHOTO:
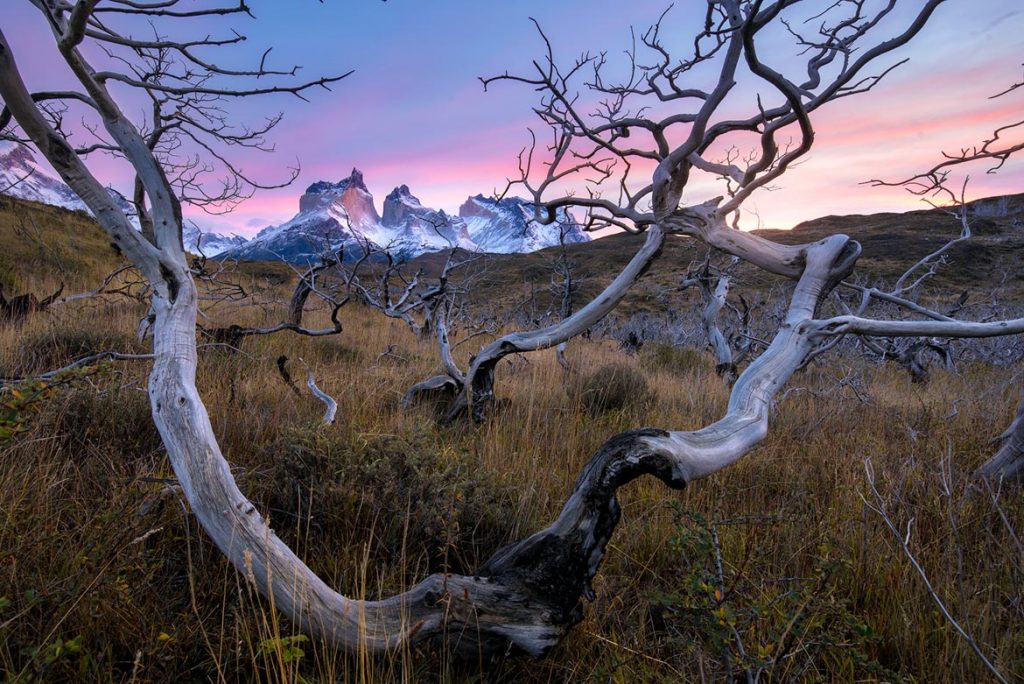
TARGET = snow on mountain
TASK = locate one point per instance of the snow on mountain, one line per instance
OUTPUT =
(198, 241)
(420, 229)
(22, 177)
(333, 216)
(507, 225)
(340, 215)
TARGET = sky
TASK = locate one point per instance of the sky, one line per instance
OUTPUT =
(414, 111)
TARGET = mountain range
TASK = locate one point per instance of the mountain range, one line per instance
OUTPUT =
(337, 216)
(342, 215)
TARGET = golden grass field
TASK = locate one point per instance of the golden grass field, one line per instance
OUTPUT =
(104, 576)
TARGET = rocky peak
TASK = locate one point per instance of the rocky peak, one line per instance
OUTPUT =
(477, 205)
(356, 178)
(400, 205)
(351, 193)
(508, 225)
(17, 154)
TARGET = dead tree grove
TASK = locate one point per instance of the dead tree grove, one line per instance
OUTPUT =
(529, 594)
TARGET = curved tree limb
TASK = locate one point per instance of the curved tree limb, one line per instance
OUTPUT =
(330, 405)
(1008, 462)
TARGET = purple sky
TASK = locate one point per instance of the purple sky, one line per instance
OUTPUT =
(414, 111)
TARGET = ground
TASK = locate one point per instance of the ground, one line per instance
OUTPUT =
(104, 575)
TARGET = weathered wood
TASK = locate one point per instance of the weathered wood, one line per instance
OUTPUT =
(479, 385)
(303, 288)
(529, 594)
(1008, 462)
(282, 370)
(330, 405)
(17, 309)
(714, 294)
(439, 386)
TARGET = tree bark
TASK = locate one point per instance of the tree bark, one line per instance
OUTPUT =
(303, 288)
(714, 301)
(478, 393)
(1008, 463)
(527, 596)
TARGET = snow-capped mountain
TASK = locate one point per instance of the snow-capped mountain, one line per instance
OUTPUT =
(333, 216)
(198, 241)
(419, 229)
(507, 225)
(342, 215)
(22, 177)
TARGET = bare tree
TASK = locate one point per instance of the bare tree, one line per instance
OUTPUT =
(232, 335)
(714, 291)
(602, 140)
(991, 154)
(528, 595)
(564, 286)
(381, 281)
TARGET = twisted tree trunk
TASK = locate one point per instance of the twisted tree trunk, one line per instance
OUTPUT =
(527, 595)
(478, 392)
(303, 288)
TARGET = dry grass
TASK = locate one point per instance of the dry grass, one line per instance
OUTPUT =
(104, 576)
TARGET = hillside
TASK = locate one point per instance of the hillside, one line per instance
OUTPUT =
(106, 576)
(993, 258)
(40, 243)
(48, 241)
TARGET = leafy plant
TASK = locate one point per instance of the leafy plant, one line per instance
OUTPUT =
(777, 630)
(17, 404)
(289, 648)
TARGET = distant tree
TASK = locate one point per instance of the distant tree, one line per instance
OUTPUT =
(528, 595)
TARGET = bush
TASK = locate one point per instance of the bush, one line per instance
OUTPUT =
(416, 499)
(49, 347)
(610, 388)
(85, 423)
(675, 360)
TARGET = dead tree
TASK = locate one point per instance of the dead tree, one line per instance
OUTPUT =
(381, 294)
(991, 155)
(307, 284)
(529, 594)
(1008, 461)
(15, 310)
(564, 286)
(381, 281)
(602, 147)
(714, 291)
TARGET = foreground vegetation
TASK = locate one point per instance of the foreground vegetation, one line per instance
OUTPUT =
(777, 564)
